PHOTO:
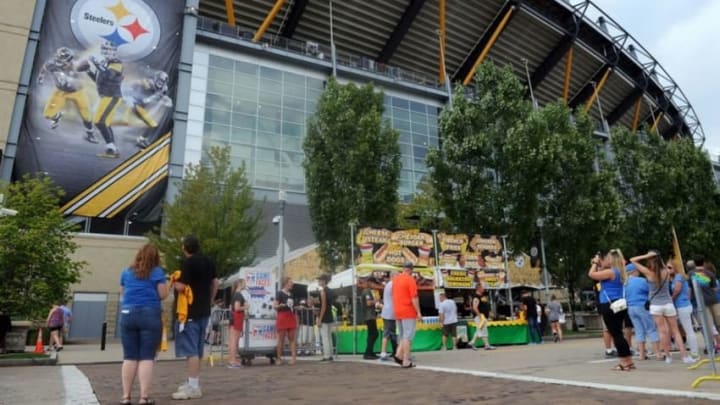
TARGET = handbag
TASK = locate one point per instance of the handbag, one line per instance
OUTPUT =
(561, 318)
(619, 304)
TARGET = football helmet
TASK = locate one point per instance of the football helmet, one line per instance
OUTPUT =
(64, 55)
(160, 79)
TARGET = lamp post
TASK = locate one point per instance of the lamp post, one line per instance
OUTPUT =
(279, 220)
(352, 225)
(507, 276)
(539, 224)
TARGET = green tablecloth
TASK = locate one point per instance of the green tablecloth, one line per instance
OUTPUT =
(428, 337)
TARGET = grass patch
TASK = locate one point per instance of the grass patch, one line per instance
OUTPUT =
(16, 356)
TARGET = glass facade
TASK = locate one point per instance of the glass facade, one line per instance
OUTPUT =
(260, 112)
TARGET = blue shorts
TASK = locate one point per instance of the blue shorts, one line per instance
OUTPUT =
(643, 324)
(140, 332)
(191, 341)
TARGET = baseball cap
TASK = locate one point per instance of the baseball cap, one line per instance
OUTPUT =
(408, 264)
(630, 268)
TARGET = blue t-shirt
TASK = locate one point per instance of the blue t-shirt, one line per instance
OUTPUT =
(612, 289)
(636, 291)
(141, 293)
(683, 299)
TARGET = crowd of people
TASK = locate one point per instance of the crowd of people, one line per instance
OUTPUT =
(645, 293)
(647, 299)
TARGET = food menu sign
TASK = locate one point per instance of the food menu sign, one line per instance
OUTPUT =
(458, 278)
(466, 260)
(375, 276)
(383, 246)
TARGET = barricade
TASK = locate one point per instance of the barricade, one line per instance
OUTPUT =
(707, 336)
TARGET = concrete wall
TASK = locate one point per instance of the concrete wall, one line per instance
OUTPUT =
(106, 256)
(15, 22)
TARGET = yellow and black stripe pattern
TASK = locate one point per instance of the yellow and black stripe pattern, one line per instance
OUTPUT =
(125, 184)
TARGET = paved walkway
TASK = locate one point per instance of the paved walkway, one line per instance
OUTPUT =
(572, 370)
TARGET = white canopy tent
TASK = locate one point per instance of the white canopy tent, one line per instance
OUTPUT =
(268, 264)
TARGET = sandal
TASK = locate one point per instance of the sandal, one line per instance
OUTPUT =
(397, 360)
(146, 401)
(126, 401)
(620, 367)
(411, 365)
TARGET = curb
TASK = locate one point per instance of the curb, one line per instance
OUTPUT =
(51, 360)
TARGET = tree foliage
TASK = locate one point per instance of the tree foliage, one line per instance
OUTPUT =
(215, 203)
(352, 167)
(503, 165)
(665, 184)
(423, 211)
(465, 172)
(35, 264)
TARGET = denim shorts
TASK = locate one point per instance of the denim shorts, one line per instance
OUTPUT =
(191, 341)
(140, 332)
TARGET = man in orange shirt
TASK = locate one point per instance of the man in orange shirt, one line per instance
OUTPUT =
(407, 311)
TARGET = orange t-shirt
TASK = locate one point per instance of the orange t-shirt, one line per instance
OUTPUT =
(404, 289)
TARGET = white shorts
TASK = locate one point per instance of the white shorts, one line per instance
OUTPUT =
(663, 310)
(481, 332)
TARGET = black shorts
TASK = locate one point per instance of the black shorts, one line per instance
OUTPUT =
(450, 329)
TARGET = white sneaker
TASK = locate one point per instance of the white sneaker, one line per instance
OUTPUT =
(187, 392)
(688, 360)
(668, 359)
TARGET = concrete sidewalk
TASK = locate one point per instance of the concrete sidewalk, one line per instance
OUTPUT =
(578, 362)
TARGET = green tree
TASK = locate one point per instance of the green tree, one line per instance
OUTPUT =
(424, 210)
(558, 172)
(665, 184)
(352, 167)
(466, 171)
(35, 264)
(215, 203)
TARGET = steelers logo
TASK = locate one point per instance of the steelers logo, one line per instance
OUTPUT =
(131, 25)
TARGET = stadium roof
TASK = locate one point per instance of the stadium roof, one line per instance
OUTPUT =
(607, 69)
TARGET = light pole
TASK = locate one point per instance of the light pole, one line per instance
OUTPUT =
(539, 224)
(352, 225)
(507, 276)
(279, 220)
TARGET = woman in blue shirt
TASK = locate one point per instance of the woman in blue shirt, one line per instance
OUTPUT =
(636, 293)
(681, 299)
(142, 288)
(610, 272)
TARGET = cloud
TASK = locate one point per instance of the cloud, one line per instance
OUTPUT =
(689, 49)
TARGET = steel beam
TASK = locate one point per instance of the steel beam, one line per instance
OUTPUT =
(568, 74)
(441, 29)
(562, 48)
(488, 46)
(293, 19)
(588, 89)
(268, 20)
(402, 27)
(630, 100)
(476, 56)
(636, 115)
(230, 10)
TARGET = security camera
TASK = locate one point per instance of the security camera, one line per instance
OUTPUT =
(7, 212)
(276, 219)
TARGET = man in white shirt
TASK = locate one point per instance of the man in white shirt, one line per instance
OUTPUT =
(389, 325)
(448, 317)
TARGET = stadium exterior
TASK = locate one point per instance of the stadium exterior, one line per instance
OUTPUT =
(250, 72)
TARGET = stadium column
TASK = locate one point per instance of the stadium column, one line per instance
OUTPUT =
(268, 20)
(636, 115)
(489, 45)
(568, 74)
(230, 10)
(182, 100)
(441, 29)
(598, 88)
(8, 161)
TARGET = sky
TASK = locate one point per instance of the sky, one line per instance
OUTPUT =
(684, 37)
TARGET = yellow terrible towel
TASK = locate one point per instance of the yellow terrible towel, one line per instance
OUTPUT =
(184, 299)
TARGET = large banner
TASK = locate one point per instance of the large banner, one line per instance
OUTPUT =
(99, 112)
